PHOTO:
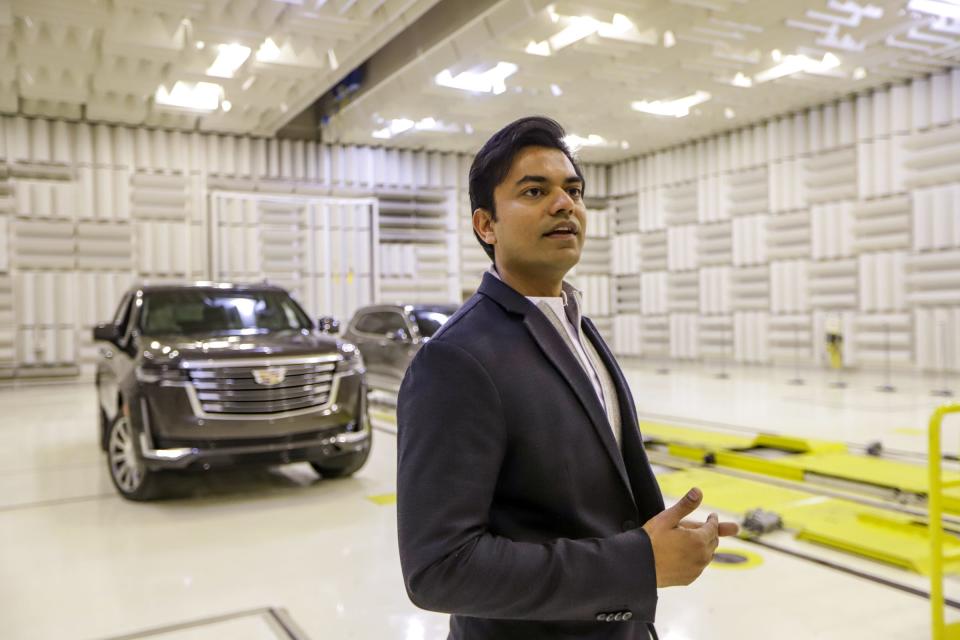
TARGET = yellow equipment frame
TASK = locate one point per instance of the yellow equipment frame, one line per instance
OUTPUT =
(941, 630)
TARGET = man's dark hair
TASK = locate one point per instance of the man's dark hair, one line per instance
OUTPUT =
(492, 163)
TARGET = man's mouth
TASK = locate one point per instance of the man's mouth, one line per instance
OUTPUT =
(562, 231)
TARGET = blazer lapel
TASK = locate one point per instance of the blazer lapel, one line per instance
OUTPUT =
(557, 352)
(643, 482)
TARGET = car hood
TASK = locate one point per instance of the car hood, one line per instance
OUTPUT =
(172, 350)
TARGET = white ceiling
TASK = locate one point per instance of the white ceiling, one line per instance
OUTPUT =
(104, 60)
(601, 75)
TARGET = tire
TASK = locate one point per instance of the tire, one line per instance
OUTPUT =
(104, 429)
(342, 466)
(126, 467)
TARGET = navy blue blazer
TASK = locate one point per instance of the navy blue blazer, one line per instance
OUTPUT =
(516, 511)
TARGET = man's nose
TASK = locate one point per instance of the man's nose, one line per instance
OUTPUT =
(561, 202)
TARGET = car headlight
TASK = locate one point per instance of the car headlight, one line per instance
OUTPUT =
(352, 361)
(160, 374)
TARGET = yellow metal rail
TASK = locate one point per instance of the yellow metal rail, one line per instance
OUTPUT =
(941, 630)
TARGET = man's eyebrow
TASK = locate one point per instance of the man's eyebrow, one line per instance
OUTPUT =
(543, 179)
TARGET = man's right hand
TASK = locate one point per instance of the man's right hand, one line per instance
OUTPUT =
(681, 549)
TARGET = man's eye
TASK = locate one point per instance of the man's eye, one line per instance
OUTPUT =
(533, 191)
(576, 192)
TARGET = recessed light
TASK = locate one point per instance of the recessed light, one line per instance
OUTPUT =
(226, 105)
(859, 73)
(729, 113)
(669, 39)
(199, 44)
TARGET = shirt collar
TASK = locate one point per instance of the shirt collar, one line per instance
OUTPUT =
(572, 297)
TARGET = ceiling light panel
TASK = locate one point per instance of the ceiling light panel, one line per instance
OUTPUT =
(230, 57)
(492, 80)
(679, 108)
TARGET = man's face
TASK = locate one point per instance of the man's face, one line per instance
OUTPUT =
(541, 219)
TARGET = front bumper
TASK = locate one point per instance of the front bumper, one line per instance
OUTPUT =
(322, 447)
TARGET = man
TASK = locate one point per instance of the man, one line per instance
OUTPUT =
(522, 480)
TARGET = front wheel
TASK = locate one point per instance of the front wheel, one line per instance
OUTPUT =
(127, 470)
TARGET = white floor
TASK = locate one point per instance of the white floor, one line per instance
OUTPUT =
(277, 554)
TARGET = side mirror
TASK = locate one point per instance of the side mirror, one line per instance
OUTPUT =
(400, 335)
(106, 333)
(329, 324)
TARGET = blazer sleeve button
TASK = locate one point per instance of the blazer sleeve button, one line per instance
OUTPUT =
(619, 617)
(610, 617)
(601, 617)
(627, 616)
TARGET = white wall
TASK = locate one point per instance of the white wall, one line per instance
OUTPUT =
(87, 210)
(846, 213)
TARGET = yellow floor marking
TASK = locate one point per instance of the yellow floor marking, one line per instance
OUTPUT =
(383, 499)
(879, 534)
(909, 431)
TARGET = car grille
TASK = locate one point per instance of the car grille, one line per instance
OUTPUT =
(227, 390)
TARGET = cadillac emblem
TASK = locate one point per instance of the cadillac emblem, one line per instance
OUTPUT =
(269, 377)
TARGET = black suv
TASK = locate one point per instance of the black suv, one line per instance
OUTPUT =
(206, 375)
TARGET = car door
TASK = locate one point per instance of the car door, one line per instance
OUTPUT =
(366, 332)
(397, 347)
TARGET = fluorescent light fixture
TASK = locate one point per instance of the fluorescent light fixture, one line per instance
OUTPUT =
(402, 125)
(800, 63)
(741, 80)
(580, 28)
(621, 24)
(268, 51)
(199, 44)
(729, 113)
(552, 11)
(226, 105)
(230, 58)
(575, 142)
(489, 81)
(678, 108)
(556, 90)
(332, 59)
(198, 96)
(538, 48)
(776, 55)
(248, 83)
(669, 40)
(941, 8)
(859, 73)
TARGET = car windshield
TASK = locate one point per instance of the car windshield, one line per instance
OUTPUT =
(429, 321)
(203, 311)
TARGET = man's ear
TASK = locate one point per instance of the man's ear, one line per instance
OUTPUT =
(483, 225)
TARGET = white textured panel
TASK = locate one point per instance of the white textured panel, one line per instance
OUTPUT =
(832, 230)
(43, 244)
(626, 254)
(715, 290)
(788, 286)
(684, 336)
(882, 282)
(833, 285)
(653, 289)
(628, 335)
(832, 176)
(937, 338)
(653, 251)
(791, 338)
(750, 288)
(882, 339)
(715, 244)
(682, 248)
(788, 235)
(932, 278)
(750, 240)
(882, 225)
(683, 292)
(4, 243)
(787, 185)
(933, 157)
(936, 218)
(750, 330)
(652, 213)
